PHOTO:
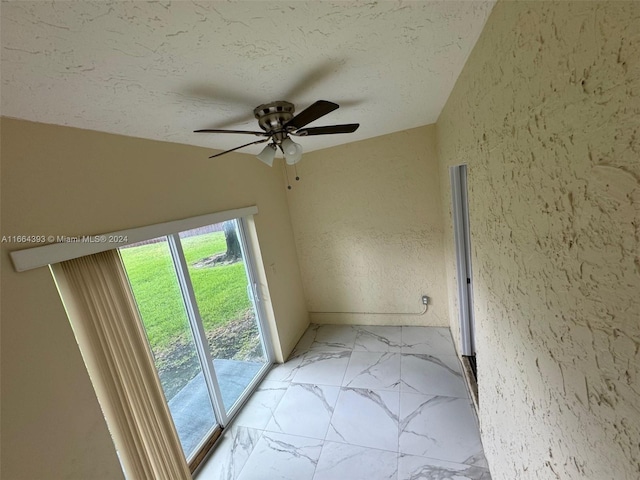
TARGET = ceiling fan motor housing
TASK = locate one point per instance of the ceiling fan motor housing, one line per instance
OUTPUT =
(273, 116)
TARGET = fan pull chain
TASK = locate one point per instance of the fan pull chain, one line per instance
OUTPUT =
(295, 169)
(286, 175)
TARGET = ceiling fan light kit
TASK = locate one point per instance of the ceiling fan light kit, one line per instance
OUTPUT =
(278, 122)
(292, 151)
(267, 154)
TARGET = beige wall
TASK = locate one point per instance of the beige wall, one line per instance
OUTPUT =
(547, 115)
(368, 227)
(64, 181)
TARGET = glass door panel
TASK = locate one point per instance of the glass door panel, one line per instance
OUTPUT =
(152, 276)
(218, 271)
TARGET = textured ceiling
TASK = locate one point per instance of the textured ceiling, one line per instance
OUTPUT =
(159, 70)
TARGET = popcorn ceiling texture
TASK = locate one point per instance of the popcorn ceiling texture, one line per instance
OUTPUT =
(159, 70)
(367, 221)
(546, 114)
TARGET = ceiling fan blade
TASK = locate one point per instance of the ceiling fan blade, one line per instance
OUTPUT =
(224, 95)
(217, 130)
(328, 130)
(311, 113)
(236, 120)
(313, 77)
(238, 148)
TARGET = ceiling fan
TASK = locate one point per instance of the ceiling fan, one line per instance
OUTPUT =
(279, 123)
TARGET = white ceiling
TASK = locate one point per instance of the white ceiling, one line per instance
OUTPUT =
(160, 70)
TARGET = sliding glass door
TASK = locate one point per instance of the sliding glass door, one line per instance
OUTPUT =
(199, 304)
(233, 335)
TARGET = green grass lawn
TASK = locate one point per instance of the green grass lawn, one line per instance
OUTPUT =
(221, 291)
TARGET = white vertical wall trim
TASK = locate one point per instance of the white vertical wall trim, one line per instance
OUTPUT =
(75, 247)
(464, 196)
(105, 320)
(457, 199)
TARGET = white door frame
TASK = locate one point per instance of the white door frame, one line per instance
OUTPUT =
(464, 274)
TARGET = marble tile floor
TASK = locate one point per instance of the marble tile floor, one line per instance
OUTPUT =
(357, 403)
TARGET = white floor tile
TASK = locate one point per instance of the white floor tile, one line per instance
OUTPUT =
(322, 368)
(378, 339)
(478, 460)
(230, 455)
(368, 418)
(373, 370)
(429, 374)
(349, 462)
(284, 372)
(305, 410)
(334, 338)
(305, 342)
(282, 457)
(438, 427)
(257, 412)
(411, 467)
(431, 340)
(357, 402)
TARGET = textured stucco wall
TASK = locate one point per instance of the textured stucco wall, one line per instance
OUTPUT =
(547, 115)
(66, 181)
(368, 227)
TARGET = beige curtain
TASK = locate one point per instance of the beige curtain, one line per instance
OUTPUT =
(105, 320)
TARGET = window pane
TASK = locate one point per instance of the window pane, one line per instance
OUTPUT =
(217, 270)
(155, 286)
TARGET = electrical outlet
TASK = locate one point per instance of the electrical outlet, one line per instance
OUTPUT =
(425, 300)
